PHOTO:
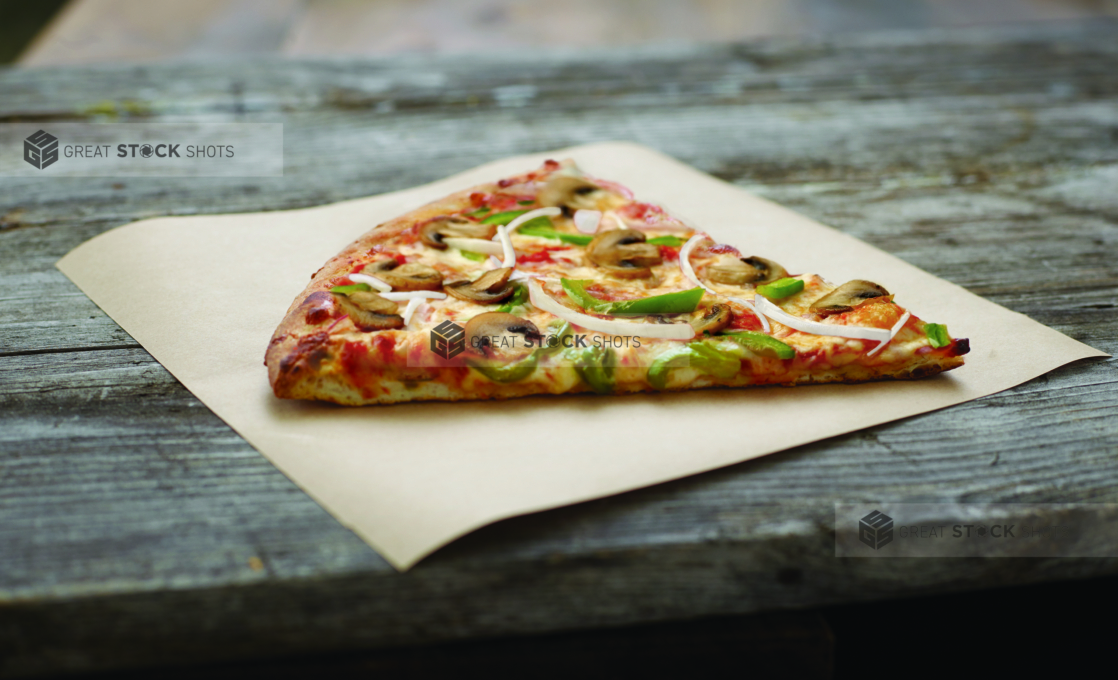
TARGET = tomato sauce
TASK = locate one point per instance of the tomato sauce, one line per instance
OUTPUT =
(746, 321)
(541, 255)
(379, 249)
(642, 211)
(602, 293)
(723, 248)
(385, 347)
(669, 253)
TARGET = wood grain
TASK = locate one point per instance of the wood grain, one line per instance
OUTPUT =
(137, 528)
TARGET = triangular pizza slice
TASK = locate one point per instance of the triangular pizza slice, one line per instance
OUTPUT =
(555, 282)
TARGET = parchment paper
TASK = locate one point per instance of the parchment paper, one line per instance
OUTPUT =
(410, 478)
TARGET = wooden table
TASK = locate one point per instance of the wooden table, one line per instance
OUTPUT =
(137, 528)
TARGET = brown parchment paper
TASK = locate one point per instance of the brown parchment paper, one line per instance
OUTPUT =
(204, 294)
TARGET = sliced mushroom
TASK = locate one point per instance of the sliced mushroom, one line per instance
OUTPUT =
(367, 319)
(712, 319)
(492, 286)
(382, 265)
(848, 296)
(412, 277)
(501, 335)
(624, 253)
(747, 270)
(572, 193)
(453, 226)
(371, 302)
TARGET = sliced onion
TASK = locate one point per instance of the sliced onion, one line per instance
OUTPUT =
(612, 186)
(413, 304)
(380, 284)
(518, 275)
(414, 295)
(670, 331)
(587, 221)
(689, 274)
(816, 328)
(892, 333)
(506, 246)
(685, 262)
(529, 216)
(475, 245)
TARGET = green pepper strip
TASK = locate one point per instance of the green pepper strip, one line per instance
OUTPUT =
(479, 212)
(595, 366)
(541, 226)
(937, 334)
(520, 370)
(471, 255)
(670, 303)
(346, 290)
(759, 343)
(673, 241)
(506, 373)
(781, 289)
(518, 298)
(503, 217)
(562, 330)
(697, 355)
(525, 202)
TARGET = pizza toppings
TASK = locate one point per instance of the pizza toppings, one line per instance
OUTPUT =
(670, 331)
(548, 231)
(669, 303)
(761, 344)
(937, 335)
(492, 286)
(435, 232)
(587, 221)
(413, 276)
(689, 274)
(624, 253)
(370, 312)
(498, 334)
(503, 217)
(595, 366)
(369, 281)
(615, 269)
(411, 308)
(892, 333)
(475, 245)
(712, 319)
(696, 355)
(742, 271)
(775, 313)
(414, 295)
(528, 216)
(847, 296)
(571, 193)
(783, 288)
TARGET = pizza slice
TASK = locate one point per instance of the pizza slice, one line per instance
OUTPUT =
(555, 282)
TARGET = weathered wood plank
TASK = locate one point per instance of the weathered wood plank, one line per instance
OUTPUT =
(988, 159)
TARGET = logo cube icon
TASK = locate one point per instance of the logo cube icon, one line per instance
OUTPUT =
(40, 149)
(876, 530)
(448, 340)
